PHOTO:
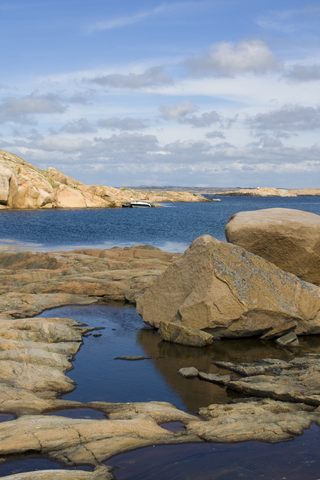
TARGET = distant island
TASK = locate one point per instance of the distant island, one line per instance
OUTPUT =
(237, 191)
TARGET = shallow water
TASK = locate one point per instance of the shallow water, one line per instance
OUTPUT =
(100, 377)
(22, 464)
(296, 460)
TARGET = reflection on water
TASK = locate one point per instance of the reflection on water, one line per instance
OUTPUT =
(294, 460)
(20, 464)
(100, 377)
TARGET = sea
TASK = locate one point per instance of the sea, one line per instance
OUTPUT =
(172, 227)
(99, 375)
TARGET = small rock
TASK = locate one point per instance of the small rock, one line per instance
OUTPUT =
(171, 332)
(244, 369)
(289, 340)
(279, 331)
(97, 335)
(188, 372)
(131, 358)
(218, 378)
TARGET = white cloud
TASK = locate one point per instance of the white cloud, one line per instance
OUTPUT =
(225, 58)
(63, 144)
(188, 146)
(215, 134)
(78, 126)
(303, 73)
(288, 118)
(124, 21)
(152, 77)
(182, 114)
(128, 143)
(126, 123)
(204, 120)
(178, 111)
(18, 110)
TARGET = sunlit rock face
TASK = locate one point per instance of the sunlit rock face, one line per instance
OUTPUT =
(288, 238)
(24, 186)
(223, 287)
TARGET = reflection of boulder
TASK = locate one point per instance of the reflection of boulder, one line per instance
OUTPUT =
(168, 358)
(288, 238)
(223, 287)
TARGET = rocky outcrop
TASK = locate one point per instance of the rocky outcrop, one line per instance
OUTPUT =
(296, 380)
(288, 238)
(24, 186)
(266, 421)
(222, 287)
(31, 282)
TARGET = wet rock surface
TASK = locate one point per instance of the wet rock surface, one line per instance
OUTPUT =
(224, 288)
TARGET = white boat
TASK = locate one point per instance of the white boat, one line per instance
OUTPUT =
(140, 204)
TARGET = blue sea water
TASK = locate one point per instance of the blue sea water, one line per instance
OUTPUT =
(171, 228)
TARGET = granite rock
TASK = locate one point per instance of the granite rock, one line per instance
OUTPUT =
(286, 237)
(172, 332)
(224, 288)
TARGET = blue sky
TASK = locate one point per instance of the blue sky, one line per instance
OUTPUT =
(206, 93)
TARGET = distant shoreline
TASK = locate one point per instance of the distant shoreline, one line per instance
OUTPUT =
(234, 191)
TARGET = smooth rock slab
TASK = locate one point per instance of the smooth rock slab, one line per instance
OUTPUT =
(266, 421)
(223, 287)
(79, 441)
(217, 378)
(286, 237)
(297, 380)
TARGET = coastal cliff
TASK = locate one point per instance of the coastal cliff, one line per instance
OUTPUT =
(24, 186)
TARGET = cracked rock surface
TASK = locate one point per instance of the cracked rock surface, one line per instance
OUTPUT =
(297, 380)
(31, 282)
(224, 288)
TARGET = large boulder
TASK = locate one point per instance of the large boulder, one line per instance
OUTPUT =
(288, 238)
(223, 287)
(68, 197)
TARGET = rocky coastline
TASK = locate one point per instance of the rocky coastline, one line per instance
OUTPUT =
(23, 186)
(282, 398)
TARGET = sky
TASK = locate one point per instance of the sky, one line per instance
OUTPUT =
(186, 93)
